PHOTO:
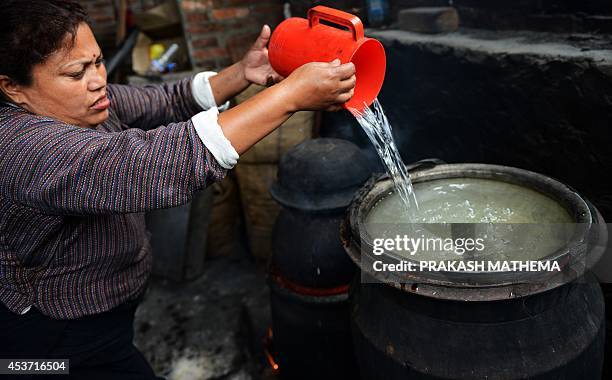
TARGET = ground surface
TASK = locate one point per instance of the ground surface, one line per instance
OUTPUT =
(209, 328)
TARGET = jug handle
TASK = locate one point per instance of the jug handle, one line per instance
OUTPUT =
(338, 17)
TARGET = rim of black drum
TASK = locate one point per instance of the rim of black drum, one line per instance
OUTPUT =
(491, 285)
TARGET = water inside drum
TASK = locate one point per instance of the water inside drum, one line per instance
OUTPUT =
(516, 222)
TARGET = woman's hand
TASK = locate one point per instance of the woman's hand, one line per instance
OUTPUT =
(320, 86)
(255, 63)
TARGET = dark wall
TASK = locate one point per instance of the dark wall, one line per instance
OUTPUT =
(563, 16)
(553, 117)
(299, 8)
(560, 16)
(527, 6)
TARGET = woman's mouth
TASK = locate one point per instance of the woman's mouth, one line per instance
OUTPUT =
(102, 104)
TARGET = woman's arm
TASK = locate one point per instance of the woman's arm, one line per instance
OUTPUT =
(314, 86)
(61, 169)
(147, 107)
(228, 83)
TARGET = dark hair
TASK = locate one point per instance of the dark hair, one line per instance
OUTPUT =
(32, 30)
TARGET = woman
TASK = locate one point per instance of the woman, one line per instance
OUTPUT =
(81, 160)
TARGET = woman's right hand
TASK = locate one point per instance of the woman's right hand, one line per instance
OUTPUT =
(320, 86)
(314, 86)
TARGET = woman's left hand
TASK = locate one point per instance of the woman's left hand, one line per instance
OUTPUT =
(255, 63)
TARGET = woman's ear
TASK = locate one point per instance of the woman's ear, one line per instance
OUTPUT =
(10, 90)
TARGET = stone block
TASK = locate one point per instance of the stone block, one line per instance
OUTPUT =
(429, 19)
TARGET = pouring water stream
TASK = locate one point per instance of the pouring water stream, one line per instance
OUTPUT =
(375, 124)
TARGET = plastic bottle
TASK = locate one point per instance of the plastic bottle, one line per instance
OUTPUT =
(161, 65)
(378, 12)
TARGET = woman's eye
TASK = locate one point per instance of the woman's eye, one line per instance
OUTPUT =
(77, 75)
(99, 61)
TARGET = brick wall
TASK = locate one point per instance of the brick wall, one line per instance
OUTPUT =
(102, 12)
(219, 32)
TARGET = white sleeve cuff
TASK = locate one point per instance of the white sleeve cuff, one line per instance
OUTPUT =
(202, 92)
(209, 131)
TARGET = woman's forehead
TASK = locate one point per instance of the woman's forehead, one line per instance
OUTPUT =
(84, 49)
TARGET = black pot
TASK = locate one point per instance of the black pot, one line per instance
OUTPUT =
(343, 125)
(421, 326)
(307, 251)
(320, 175)
(558, 334)
(310, 273)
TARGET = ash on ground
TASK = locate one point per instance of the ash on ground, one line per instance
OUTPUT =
(209, 328)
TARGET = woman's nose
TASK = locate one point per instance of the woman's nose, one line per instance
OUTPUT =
(98, 79)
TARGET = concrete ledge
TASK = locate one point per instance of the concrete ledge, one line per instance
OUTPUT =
(472, 43)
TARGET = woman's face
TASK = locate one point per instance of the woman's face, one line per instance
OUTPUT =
(70, 85)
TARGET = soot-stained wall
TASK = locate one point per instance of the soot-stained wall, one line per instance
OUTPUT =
(541, 107)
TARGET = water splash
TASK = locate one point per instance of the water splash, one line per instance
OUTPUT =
(375, 124)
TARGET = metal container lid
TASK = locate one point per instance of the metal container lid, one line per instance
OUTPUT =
(320, 175)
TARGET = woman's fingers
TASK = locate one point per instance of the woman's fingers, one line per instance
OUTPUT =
(348, 84)
(346, 96)
(345, 71)
(264, 37)
(345, 88)
(322, 85)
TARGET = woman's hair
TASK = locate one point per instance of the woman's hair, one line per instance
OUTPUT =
(32, 30)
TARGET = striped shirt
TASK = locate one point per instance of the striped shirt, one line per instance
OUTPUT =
(72, 234)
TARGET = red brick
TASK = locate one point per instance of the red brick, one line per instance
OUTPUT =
(225, 62)
(103, 19)
(191, 5)
(108, 6)
(196, 17)
(209, 53)
(240, 44)
(242, 39)
(233, 3)
(204, 28)
(268, 8)
(202, 42)
(143, 5)
(230, 13)
(268, 13)
(240, 25)
(205, 63)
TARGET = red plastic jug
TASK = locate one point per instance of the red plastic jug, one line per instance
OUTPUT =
(297, 41)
